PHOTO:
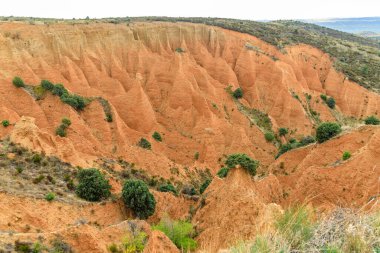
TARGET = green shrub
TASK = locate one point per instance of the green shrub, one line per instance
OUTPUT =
(282, 131)
(179, 50)
(204, 186)
(296, 226)
(47, 85)
(196, 155)
(66, 122)
(331, 102)
(5, 123)
(292, 141)
(109, 117)
(372, 120)
(157, 136)
(324, 97)
(346, 155)
(269, 136)
(18, 82)
(189, 190)
(283, 149)
(168, 188)
(59, 90)
(181, 233)
(144, 143)
(244, 161)
(61, 131)
(307, 140)
(135, 243)
(50, 196)
(92, 185)
(223, 172)
(238, 93)
(327, 130)
(137, 197)
(75, 101)
(36, 158)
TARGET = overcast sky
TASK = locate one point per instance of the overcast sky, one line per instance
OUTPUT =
(242, 9)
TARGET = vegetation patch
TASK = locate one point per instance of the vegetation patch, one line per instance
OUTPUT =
(92, 185)
(144, 143)
(372, 120)
(327, 130)
(157, 136)
(137, 197)
(244, 161)
(61, 129)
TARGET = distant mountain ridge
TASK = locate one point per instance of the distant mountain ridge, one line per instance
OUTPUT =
(351, 25)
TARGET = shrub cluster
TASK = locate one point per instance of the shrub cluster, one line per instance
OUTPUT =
(144, 143)
(269, 136)
(223, 172)
(61, 130)
(168, 188)
(181, 233)
(75, 101)
(327, 130)
(294, 144)
(372, 120)
(282, 131)
(204, 186)
(244, 161)
(92, 185)
(330, 101)
(137, 197)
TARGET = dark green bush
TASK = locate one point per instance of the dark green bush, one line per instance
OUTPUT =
(66, 122)
(50, 196)
(61, 131)
(109, 117)
(346, 155)
(269, 136)
(92, 185)
(238, 93)
(37, 158)
(5, 123)
(327, 130)
(189, 190)
(137, 197)
(59, 90)
(331, 102)
(223, 172)
(244, 161)
(157, 136)
(204, 186)
(47, 85)
(282, 131)
(75, 101)
(372, 120)
(144, 143)
(18, 82)
(196, 155)
(168, 188)
(324, 97)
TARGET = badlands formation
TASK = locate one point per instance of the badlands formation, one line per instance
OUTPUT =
(175, 78)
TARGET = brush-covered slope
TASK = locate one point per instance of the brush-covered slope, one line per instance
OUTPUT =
(170, 78)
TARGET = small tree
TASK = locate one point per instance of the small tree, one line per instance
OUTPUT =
(144, 143)
(269, 136)
(282, 131)
(137, 197)
(327, 130)
(18, 82)
(238, 93)
(330, 102)
(92, 185)
(244, 161)
(372, 120)
(157, 136)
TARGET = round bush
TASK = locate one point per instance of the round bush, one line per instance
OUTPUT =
(137, 197)
(346, 155)
(238, 93)
(5, 123)
(144, 143)
(327, 130)
(372, 120)
(244, 161)
(92, 185)
(157, 136)
(59, 90)
(282, 131)
(269, 136)
(61, 130)
(18, 82)
(66, 121)
(330, 102)
(223, 172)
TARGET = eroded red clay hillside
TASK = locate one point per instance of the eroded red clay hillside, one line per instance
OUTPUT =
(172, 78)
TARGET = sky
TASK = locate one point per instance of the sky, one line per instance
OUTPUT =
(240, 9)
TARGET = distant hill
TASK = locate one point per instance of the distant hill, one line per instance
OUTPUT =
(351, 25)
